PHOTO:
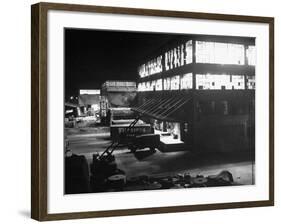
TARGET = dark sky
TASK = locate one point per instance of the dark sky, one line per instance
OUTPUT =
(94, 56)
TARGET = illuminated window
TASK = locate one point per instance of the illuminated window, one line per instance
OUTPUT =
(186, 81)
(153, 85)
(175, 82)
(251, 55)
(188, 52)
(219, 81)
(167, 84)
(178, 56)
(159, 85)
(167, 56)
(152, 67)
(238, 82)
(147, 86)
(219, 53)
(182, 59)
(141, 87)
(251, 83)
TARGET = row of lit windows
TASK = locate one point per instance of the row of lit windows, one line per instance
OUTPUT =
(206, 52)
(174, 83)
(218, 81)
(174, 58)
(178, 56)
(224, 53)
(152, 67)
(203, 82)
(251, 55)
(219, 53)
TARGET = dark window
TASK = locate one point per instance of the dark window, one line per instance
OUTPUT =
(208, 107)
(222, 107)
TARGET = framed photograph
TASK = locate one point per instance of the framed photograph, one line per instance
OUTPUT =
(139, 111)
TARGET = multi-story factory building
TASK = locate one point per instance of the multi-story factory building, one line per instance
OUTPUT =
(198, 92)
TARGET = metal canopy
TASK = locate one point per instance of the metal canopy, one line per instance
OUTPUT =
(163, 108)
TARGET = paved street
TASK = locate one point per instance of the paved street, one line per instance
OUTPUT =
(146, 162)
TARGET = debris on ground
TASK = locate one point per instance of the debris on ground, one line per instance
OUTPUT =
(106, 177)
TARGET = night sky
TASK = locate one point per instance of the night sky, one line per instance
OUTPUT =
(94, 56)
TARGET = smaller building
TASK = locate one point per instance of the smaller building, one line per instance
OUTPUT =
(115, 95)
(119, 93)
(89, 100)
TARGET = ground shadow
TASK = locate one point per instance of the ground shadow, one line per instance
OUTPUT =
(140, 155)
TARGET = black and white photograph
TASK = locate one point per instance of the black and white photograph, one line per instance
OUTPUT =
(157, 111)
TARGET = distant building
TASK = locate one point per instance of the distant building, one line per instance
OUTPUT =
(199, 93)
(117, 94)
(89, 100)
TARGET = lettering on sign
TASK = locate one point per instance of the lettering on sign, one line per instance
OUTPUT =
(135, 130)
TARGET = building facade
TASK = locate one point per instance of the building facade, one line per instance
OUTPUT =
(198, 92)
